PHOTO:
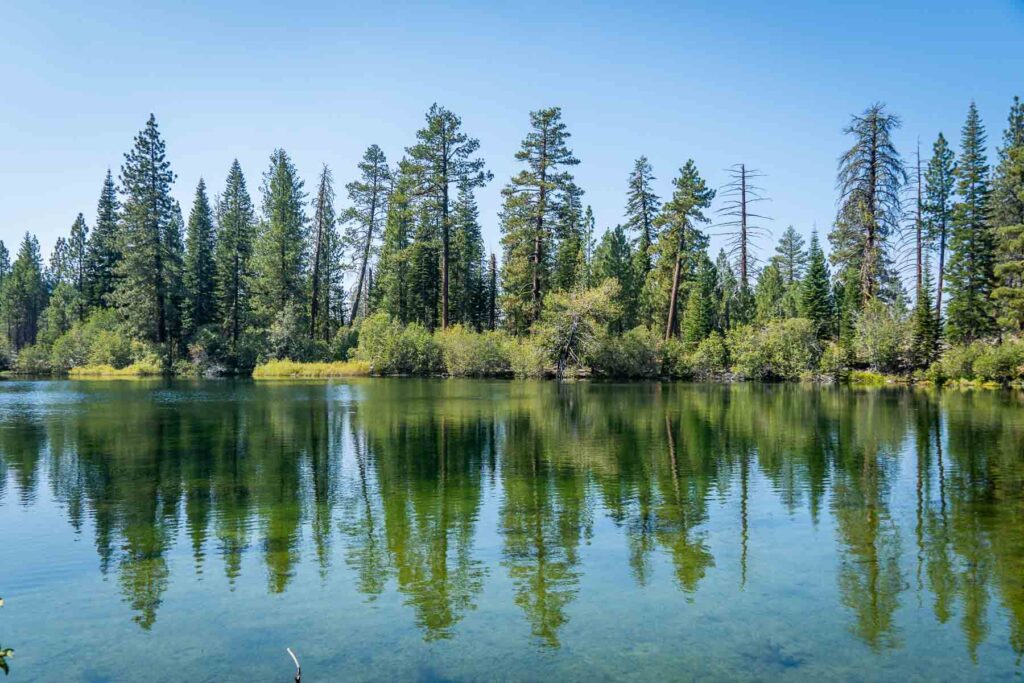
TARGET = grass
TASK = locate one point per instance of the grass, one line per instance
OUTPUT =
(288, 369)
(110, 372)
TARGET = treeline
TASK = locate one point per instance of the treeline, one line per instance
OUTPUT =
(926, 264)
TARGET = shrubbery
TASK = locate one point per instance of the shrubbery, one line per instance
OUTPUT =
(474, 354)
(392, 349)
(780, 350)
(980, 362)
(637, 354)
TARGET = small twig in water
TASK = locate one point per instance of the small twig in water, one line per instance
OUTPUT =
(298, 669)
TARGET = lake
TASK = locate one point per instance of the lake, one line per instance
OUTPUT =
(402, 529)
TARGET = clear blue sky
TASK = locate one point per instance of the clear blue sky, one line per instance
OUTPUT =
(768, 84)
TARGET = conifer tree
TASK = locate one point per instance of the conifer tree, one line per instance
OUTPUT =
(816, 294)
(768, 295)
(392, 295)
(424, 259)
(615, 259)
(467, 286)
(366, 217)
(730, 309)
(236, 230)
(790, 257)
(680, 244)
(570, 259)
(1008, 221)
(279, 258)
(5, 262)
(925, 330)
(24, 294)
(326, 252)
(104, 245)
(870, 181)
(937, 208)
(529, 212)
(199, 276)
(847, 296)
(442, 158)
(149, 272)
(699, 317)
(642, 207)
(492, 293)
(78, 266)
(971, 274)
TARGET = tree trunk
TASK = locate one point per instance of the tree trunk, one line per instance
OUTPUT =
(366, 253)
(676, 275)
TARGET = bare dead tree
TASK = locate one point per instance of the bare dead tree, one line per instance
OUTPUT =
(742, 225)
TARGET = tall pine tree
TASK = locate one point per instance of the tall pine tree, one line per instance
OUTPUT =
(937, 208)
(199, 277)
(236, 232)
(816, 292)
(971, 274)
(149, 274)
(325, 253)
(530, 211)
(642, 207)
(1008, 222)
(366, 217)
(104, 245)
(443, 158)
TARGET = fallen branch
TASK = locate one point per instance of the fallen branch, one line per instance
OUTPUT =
(298, 668)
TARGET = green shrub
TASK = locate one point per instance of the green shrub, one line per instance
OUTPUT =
(781, 350)
(70, 349)
(711, 358)
(474, 354)
(676, 360)
(6, 354)
(882, 338)
(344, 343)
(391, 349)
(110, 347)
(1002, 363)
(637, 353)
(526, 357)
(835, 362)
(957, 362)
(33, 360)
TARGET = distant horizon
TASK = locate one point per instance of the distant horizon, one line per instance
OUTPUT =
(81, 86)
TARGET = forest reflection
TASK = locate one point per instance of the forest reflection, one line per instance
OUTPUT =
(397, 473)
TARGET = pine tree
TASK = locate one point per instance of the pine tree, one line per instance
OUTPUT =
(699, 317)
(467, 287)
(729, 307)
(424, 259)
(847, 295)
(642, 207)
(529, 212)
(78, 266)
(150, 270)
(326, 251)
(236, 230)
(680, 244)
(925, 330)
(971, 274)
(1008, 222)
(768, 295)
(570, 262)
(5, 263)
(492, 294)
(279, 259)
(199, 276)
(24, 294)
(104, 246)
(870, 180)
(790, 257)
(392, 295)
(937, 208)
(443, 157)
(615, 259)
(816, 294)
(367, 216)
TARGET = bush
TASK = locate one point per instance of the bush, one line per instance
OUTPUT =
(781, 350)
(344, 343)
(6, 355)
(474, 354)
(675, 360)
(711, 358)
(110, 347)
(391, 349)
(956, 363)
(835, 362)
(526, 357)
(637, 353)
(1002, 363)
(882, 338)
(288, 335)
(71, 349)
(33, 360)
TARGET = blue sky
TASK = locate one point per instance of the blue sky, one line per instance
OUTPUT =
(767, 84)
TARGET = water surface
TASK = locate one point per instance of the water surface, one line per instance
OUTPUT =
(475, 530)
